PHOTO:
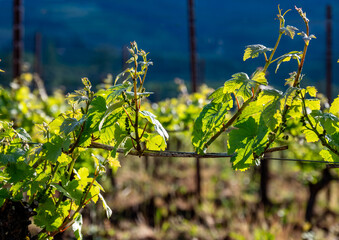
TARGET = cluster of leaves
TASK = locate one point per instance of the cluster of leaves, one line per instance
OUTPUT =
(261, 113)
(45, 171)
(25, 108)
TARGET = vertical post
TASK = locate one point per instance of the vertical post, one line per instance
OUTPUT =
(264, 179)
(329, 53)
(17, 38)
(328, 69)
(192, 39)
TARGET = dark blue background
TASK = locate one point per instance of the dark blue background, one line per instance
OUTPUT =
(85, 38)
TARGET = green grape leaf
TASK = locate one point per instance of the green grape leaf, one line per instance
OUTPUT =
(64, 159)
(77, 96)
(259, 77)
(289, 31)
(310, 135)
(306, 38)
(329, 156)
(334, 109)
(264, 99)
(96, 111)
(18, 171)
(312, 91)
(46, 216)
(156, 143)
(54, 148)
(71, 124)
(243, 158)
(127, 145)
(113, 162)
(241, 85)
(106, 207)
(287, 57)
(253, 51)
(82, 177)
(219, 96)
(247, 138)
(94, 194)
(117, 90)
(73, 191)
(208, 123)
(76, 226)
(122, 74)
(312, 104)
(12, 157)
(157, 125)
(62, 190)
(54, 126)
(272, 114)
(328, 121)
(112, 108)
(23, 135)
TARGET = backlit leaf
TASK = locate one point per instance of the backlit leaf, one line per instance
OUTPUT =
(208, 123)
(329, 156)
(247, 138)
(310, 135)
(241, 85)
(54, 148)
(76, 227)
(106, 207)
(157, 125)
(113, 162)
(334, 109)
(156, 143)
(312, 91)
(253, 51)
(287, 57)
(289, 31)
(312, 104)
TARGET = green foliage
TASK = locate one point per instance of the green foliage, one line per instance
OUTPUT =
(46, 170)
(42, 162)
(253, 51)
(262, 113)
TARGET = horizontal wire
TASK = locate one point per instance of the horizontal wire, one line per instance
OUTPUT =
(299, 160)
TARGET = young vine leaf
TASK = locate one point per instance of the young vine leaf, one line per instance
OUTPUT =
(253, 51)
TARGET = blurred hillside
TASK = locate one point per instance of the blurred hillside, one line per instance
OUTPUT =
(85, 38)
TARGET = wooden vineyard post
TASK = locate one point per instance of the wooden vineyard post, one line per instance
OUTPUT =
(193, 64)
(329, 53)
(17, 39)
(328, 70)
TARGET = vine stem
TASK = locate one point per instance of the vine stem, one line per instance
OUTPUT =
(255, 92)
(136, 122)
(295, 84)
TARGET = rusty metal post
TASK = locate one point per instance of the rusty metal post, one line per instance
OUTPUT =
(193, 64)
(328, 72)
(17, 38)
(192, 39)
(329, 53)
